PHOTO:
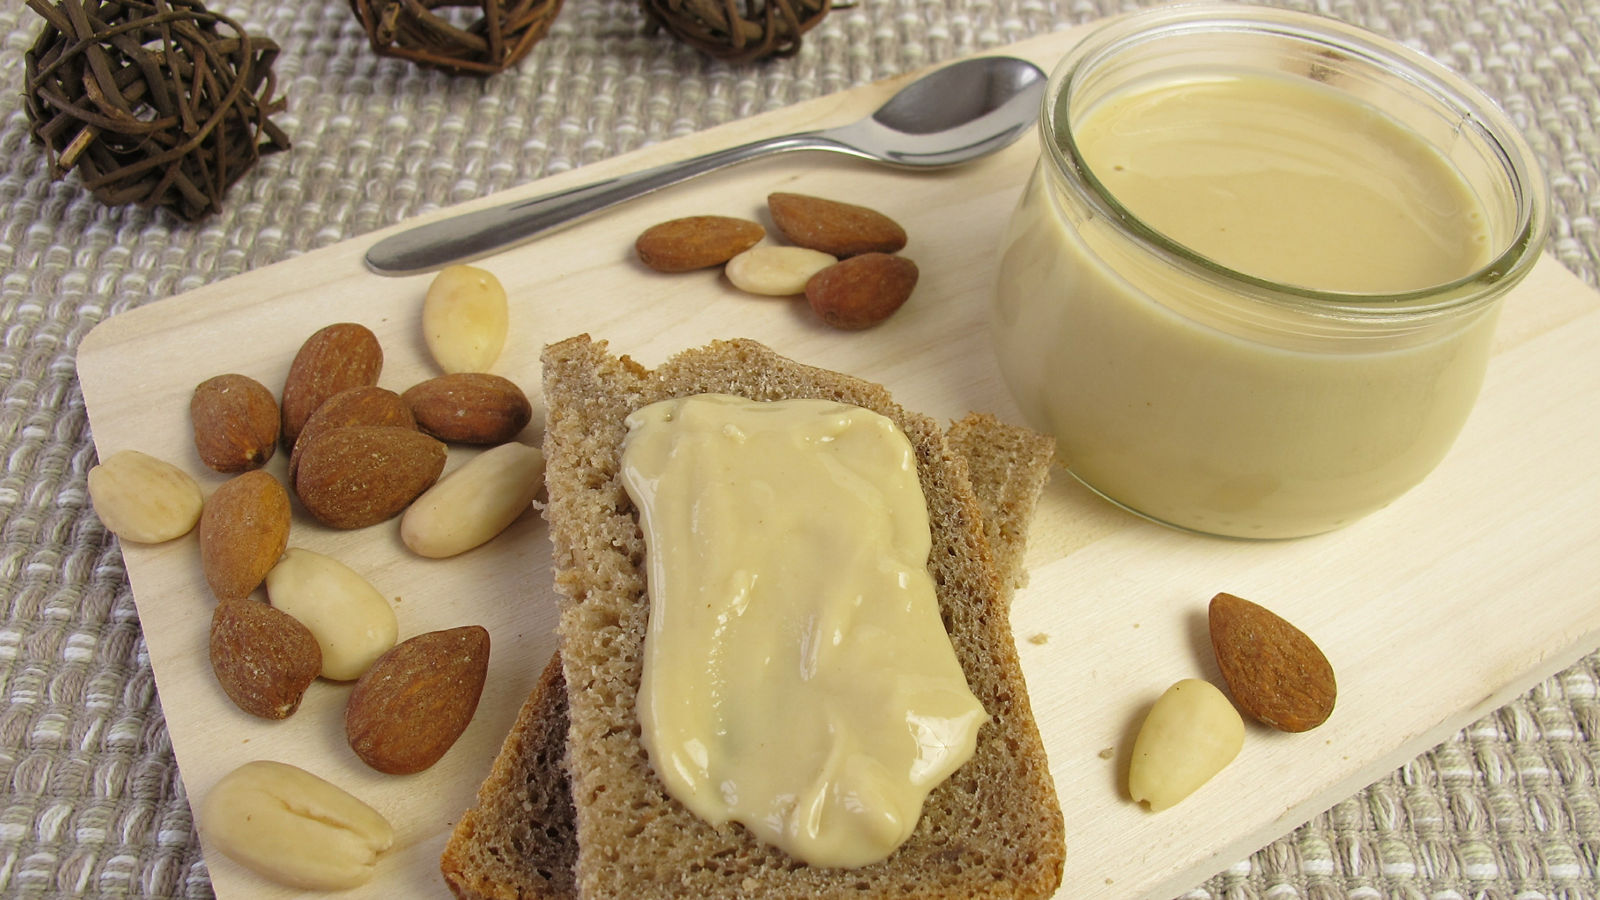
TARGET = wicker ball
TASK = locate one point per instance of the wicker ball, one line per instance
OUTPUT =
(423, 31)
(154, 102)
(738, 30)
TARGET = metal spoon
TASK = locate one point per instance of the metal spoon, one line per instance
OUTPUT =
(949, 116)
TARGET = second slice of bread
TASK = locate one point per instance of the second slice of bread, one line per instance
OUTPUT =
(993, 829)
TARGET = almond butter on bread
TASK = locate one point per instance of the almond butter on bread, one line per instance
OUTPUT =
(993, 829)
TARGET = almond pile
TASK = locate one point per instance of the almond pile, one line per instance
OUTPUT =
(358, 454)
(841, 256)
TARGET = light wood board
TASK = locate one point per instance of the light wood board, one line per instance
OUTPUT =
(1451, 602)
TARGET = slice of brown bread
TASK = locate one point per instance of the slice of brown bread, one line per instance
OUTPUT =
(520, 840)
(993, 830)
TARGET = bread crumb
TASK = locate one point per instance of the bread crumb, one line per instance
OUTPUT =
(1108, 752)
(1040, 638)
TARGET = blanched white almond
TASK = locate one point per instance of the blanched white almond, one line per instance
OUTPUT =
(475, 502)
(1191, 733)
(144, 499)
(294, 828)
(352, 622)
(464, 319)
(776, 271)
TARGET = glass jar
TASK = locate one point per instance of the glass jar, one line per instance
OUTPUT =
(1216, 399)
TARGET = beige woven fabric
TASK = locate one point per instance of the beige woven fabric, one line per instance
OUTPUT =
(90, 799)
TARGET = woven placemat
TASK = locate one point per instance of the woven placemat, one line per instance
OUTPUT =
(1508, 809)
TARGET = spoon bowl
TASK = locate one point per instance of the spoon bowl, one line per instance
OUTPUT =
(959, 94)
(955, 114)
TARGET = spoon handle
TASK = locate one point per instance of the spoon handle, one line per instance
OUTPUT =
(475, 234)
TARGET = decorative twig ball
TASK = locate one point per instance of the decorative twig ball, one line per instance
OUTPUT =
(437, 33)
(154, 102)
(738, 30)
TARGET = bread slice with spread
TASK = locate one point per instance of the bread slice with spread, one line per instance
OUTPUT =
(590, 819)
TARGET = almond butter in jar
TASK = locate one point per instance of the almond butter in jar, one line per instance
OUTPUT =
(1252, 282)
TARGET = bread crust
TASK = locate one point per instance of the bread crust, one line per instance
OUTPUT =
(994, 829)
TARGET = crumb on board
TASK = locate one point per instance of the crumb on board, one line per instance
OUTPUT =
(1039, 638)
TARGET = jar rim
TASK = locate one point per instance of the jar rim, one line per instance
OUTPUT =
(1415, 70)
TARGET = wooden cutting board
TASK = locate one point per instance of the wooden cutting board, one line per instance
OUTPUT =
(1451, 602)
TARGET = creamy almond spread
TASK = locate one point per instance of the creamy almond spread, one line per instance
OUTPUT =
(1195, 404)
(797, 675)
(1287, 180)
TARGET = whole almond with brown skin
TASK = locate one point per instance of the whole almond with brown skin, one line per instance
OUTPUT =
(365, 405)
(360, 475)
(244, 528)
(409, 708)
(840, 229)
(861, 291)
(263, 657)
(341, 356)
(1276, 674)
(469, 408)
(696, 242)
(235, 422)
